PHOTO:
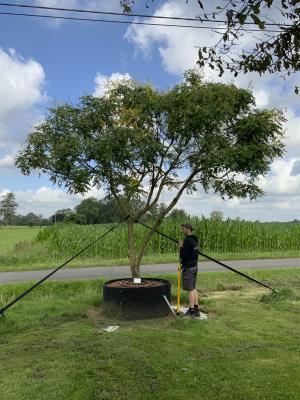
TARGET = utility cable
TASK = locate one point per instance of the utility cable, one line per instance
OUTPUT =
(128, 22)
(88, 11)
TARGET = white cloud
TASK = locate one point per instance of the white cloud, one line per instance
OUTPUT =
(104, 5)
(281, 203)
(177, 50)
(21, 84)
(284, 207)
(21, 92)
(292, 140)
(102, 82)
(7, 162)
(262, 98)
(296, 168)
(281, 181)
(46, 200)
(176, 46)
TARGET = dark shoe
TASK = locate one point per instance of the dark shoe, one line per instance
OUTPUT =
(190, 313)
(197, 313)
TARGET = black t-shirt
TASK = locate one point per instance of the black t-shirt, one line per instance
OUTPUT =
(189, 252)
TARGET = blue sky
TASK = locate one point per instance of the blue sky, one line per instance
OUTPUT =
(53, 62)
(73, 52)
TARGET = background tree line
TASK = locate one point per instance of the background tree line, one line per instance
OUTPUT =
(9, 216)
(92, 211)
(88, 211)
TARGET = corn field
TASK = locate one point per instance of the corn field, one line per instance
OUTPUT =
(63, 240)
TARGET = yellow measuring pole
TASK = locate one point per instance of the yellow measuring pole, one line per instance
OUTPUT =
(178, 289)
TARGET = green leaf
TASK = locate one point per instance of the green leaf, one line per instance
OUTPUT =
(242, 18)
(269, 3)
(136, 132)
(229, 15)
(257, 21)
(256, 8)
(225, 37)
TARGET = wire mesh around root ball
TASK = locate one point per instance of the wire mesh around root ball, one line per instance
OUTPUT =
(125, 299)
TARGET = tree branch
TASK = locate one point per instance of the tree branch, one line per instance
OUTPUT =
(165, 212)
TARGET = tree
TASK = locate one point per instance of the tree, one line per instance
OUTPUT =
(75, 218)
(109, 210)
(217, 215)
(136, 140)
(31, 219)
(155, 211)
(60, 215)
(178, 214)
(276, 50)
(103, 211)
(8, 207)
(90, 209)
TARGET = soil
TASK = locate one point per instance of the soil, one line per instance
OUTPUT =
(128, 283)
(94, 312)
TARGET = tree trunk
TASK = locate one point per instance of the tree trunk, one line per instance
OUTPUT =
(133, 259)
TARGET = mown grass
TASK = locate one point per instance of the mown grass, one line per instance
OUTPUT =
(52, 345)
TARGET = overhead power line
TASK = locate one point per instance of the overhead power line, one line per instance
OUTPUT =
(76, 10)
(130, 22)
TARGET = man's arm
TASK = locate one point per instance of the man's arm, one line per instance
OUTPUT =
(180, 245)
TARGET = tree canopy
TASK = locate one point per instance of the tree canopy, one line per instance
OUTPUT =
(8, 207)
(136, 141)
(216, 215)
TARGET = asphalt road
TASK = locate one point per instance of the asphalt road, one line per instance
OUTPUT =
(157, 269)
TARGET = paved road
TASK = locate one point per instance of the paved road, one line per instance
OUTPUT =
(122, 272)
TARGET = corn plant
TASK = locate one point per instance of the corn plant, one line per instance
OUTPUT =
(63, 240)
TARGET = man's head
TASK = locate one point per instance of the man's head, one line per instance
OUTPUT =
(187, 229)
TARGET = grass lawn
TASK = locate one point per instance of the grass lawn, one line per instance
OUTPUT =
(52, 345)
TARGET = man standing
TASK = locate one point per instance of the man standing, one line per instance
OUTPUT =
(189, 262)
